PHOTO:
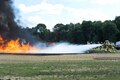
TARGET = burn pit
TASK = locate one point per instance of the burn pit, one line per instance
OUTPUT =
(14, 46)
(11, 34)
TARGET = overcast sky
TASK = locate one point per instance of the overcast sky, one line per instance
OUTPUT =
(51, 12)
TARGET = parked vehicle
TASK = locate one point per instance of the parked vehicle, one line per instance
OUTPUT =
(117, 45)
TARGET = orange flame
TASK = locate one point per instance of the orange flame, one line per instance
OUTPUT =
(13, 46)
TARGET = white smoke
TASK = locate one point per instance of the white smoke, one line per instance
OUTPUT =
(65, 48)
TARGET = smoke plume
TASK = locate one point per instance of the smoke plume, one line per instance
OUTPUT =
(8, 27)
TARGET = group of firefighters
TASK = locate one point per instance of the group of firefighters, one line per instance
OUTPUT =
(107, 46)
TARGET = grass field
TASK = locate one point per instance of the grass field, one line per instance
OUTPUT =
(60, 67)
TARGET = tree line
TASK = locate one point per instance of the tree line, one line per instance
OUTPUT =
(79, 33)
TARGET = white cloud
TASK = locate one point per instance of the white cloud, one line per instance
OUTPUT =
(86, 14)
(32, 21)
(39, 13)
(35, 19)
(105, 2)
(42, 7)
(100, 2)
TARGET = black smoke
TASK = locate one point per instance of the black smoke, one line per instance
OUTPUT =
(9, 29)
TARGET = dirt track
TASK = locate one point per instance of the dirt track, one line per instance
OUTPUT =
(36, 58)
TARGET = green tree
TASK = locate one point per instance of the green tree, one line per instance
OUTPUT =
(87, 30)
(42, 32)
(97, 34)
(58, 30)
(77, 35)
(110, 31)
(117, 22)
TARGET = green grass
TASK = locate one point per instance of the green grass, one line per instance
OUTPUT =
(63, 70)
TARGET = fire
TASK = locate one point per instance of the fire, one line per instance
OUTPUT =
(13, 46)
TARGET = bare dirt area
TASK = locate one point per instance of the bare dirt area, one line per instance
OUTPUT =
(8, 58)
